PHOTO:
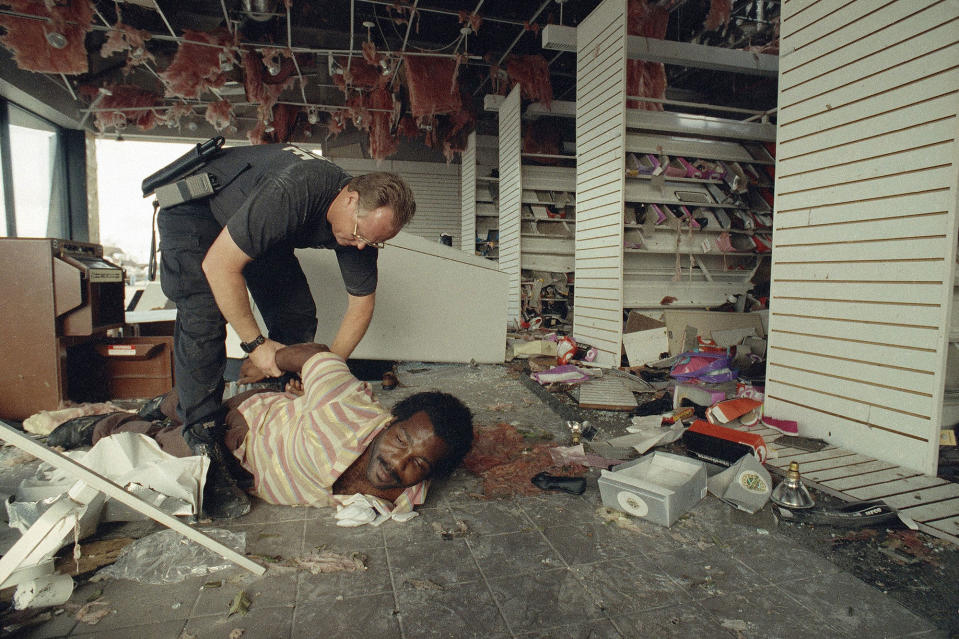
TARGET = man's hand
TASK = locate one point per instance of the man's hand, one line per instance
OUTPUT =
(250, 374)
(264, 358)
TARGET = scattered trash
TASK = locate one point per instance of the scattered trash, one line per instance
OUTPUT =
(328, 561)
(211, 585)
(236, 633)
(96, 554)
(571, 485)
(459, 530)
(784, 425)
(91, 613)
(240, 604)
(566, 374)
(506, 461)
(851, 515)
(745, 485)
(802, 443)
(167, 557)
(722, 445)
(747, 411)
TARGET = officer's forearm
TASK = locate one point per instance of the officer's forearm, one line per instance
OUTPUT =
(356, 320)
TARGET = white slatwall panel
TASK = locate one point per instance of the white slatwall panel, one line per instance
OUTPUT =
(510, 198)
(435, 186)
(468, 196)
(600, 177)
(865, 223)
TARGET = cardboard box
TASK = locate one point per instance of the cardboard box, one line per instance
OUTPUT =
(658, 487)
(721, 445)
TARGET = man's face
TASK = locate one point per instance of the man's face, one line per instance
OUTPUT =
(376, 226)
(405, 453)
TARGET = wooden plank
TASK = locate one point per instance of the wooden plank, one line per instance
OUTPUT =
(874, 103)
(850, 470)
(947, 528)
(928, 131)
(934, 511)
(915, 292)
(835, 329)
(886, 354)
(907, 63)
(607, 393)
(848, 426)
(919, 112)
(903, 389)
(869, 314)
(885, 482)
(913, 499)
(853, 30)
(808, 468)
(804, 457)
(468, 196)
(923, 270)
(812, 197)
(114, 491)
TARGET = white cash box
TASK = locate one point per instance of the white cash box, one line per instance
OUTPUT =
(658, 487)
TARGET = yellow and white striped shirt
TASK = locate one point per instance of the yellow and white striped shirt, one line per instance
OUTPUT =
(297, 447)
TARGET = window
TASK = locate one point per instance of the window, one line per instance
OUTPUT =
(34, 183)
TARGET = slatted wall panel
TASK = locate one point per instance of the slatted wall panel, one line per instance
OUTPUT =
(600, 176)
(865, 223)
(468, 196)
(510, 198)
(435, 186)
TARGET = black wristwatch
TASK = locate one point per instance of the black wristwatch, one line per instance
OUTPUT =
(249, 347)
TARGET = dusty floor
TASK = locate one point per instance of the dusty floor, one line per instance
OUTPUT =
(548, 565)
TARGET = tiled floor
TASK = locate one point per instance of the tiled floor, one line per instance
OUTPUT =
(551, 565)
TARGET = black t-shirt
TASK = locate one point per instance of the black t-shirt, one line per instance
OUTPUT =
(278, 195)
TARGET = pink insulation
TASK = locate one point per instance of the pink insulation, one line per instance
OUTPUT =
(28, 40)
(196, 65)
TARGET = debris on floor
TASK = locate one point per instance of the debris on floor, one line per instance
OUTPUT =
(506, 461)
(167, 557)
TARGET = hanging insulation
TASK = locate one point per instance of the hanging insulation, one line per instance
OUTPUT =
(543, 137)
(262, 88)
(719, 12)
(432, 86)
(36, 44)
(122, 38)
(382, 142)
(121, 107)
(196, 65)
(219, 114)
(646, 79)
(532, 73)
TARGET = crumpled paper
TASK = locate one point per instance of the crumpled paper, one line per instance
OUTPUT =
(135, 462)
(360, 509)
(646, 432)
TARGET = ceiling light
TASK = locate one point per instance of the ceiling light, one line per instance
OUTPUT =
(56, 39)
(312, 115)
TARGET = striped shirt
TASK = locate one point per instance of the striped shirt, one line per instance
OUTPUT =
(297, 447)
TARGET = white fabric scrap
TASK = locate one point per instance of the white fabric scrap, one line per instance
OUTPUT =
(647, 436)
(360, 509)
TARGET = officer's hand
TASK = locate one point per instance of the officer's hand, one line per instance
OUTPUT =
(264, 358)
(250, 374)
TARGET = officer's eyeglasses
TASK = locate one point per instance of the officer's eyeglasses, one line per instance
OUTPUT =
(360, 238)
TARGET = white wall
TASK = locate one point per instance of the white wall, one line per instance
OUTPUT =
(865, 224)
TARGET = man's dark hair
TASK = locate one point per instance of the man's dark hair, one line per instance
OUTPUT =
(452, 422)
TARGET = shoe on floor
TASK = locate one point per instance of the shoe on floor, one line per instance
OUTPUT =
(151, 410)
(75, 432)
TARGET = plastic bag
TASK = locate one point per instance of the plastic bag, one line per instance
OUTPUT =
(167, 557)
(704, 366)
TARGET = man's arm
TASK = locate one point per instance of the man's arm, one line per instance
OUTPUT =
(356, 320)
(223, 267)
(292, 358)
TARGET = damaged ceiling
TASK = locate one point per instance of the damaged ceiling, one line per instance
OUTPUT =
(337, 72)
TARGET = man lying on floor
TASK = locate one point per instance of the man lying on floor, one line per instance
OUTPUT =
(316, 448)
